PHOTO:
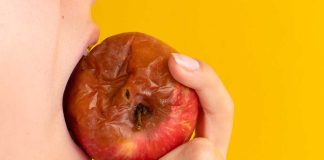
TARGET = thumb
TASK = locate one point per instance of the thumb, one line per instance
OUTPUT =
(215, 120)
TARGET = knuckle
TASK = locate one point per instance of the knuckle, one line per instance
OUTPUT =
(230, 105)
(210, 77)
(201, 148)
(205, 66)
(213, 84)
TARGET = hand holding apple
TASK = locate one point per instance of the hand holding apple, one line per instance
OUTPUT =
(214, 122)
(215, 118)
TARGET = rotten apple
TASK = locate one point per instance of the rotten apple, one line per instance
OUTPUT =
(122, 103)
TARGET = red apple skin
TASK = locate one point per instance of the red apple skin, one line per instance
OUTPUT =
(107, 86)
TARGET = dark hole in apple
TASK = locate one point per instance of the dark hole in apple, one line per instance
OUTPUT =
(127, 95)
(140, 111)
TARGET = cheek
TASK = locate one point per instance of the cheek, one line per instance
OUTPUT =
(76, 27)
(75, 18)
(28, 35)
(22, 24)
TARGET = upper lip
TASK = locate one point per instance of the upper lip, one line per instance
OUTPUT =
(93, 38)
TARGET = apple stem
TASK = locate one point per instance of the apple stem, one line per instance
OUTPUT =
(140, 111)
(139, 120)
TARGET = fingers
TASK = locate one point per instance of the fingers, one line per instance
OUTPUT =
(197, 149)
(216, 116)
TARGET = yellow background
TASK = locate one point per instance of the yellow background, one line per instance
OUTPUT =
(269, 54)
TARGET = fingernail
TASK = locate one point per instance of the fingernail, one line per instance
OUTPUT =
(186, 62)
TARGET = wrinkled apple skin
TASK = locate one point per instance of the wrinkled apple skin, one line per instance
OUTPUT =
(105, 89)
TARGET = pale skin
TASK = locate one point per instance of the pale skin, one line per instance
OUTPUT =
(41, 42)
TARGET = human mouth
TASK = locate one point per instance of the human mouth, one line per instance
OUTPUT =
(92, 40)
(86, 52)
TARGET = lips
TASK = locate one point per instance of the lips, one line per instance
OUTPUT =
(93, 38)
